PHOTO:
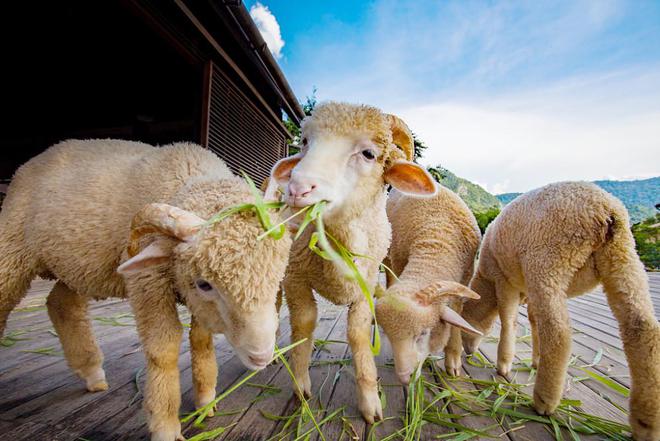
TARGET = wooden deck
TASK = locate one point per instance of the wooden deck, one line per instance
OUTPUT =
(41, 399)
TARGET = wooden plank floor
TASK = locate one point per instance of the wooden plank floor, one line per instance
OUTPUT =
(40, 399)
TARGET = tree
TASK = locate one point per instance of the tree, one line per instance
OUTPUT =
(419, 147)
(647, 241)
(307, 106)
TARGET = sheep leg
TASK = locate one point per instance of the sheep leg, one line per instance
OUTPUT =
(204, 364)
(16, 273)
(506, 349)
(68, 311)
(626, 285)
(160, 332)
(302, 316)
(359, 337)
(554, 335)
(535, 339)
(454, 346)
(453, 352)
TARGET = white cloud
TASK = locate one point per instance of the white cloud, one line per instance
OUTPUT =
(512, 95)
(583, 129)
(269, 28)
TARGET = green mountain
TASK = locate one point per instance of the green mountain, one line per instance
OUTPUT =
(505, 198)
(639, 196)
(478, 199)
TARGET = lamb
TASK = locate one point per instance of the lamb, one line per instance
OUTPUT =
(556, 242)
(349, 154)
(110, 218)
(434, 243)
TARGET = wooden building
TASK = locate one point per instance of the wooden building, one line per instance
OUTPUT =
(156, 71)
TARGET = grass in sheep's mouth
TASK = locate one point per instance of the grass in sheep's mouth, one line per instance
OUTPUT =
(319, 241)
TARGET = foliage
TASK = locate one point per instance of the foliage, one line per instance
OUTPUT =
(484, 205)
(478, 199)
(307, 106)
(419, 148)
(647, 239)
(505, 198)
(484, 218)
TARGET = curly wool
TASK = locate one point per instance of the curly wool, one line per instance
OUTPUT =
(346, 119)
(69, 211)
(560, 241)
(432, 239)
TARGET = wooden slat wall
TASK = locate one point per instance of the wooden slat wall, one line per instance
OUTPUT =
(237, 130)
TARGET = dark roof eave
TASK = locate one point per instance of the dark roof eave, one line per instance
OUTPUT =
(259, 46)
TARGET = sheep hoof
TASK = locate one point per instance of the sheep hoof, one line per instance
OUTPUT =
(503, 368)
(304, 386)
(370, 406)
(544, 407)
(453, 365)
(642, 431)
(98, 387)
(204, 398)
(95, 381)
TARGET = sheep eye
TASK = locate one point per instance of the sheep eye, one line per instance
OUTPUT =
(368, 154)
(422, 335)
(203, 285)
(304, 142)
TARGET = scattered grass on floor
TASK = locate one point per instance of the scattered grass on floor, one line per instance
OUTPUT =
(12, 338)
(116, 320)
(50, 350)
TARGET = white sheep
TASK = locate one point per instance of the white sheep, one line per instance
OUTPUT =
(556, 242)
(349, 154)
(434, 243)
(82, 208)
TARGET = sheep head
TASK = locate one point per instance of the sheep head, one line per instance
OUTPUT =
(347, 147)
(415, 325)
(226, 277)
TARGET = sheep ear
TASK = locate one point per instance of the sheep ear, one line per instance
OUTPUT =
(410, 178)
(281, 171)
(155, 254)
(454, 318)
(402, 136)
(279, 174)
(435, 290)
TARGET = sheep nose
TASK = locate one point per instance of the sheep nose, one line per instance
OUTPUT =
(301, 189)
(404, 377)
(260, 359)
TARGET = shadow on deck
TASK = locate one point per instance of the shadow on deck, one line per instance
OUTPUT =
(41, 399)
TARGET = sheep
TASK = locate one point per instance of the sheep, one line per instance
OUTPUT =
(349, 153)
(434, 243)
(556, 242)
(110, 218)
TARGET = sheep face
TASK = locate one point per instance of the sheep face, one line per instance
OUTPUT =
(344, 148)
(415, 325)
(227, 278)
(407, 325)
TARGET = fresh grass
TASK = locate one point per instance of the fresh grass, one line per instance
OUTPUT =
(50, 350)
(12, 338)
(430, 396)
(116, 320)
(319, 241)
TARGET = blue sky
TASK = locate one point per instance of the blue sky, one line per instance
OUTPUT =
(511, 95)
